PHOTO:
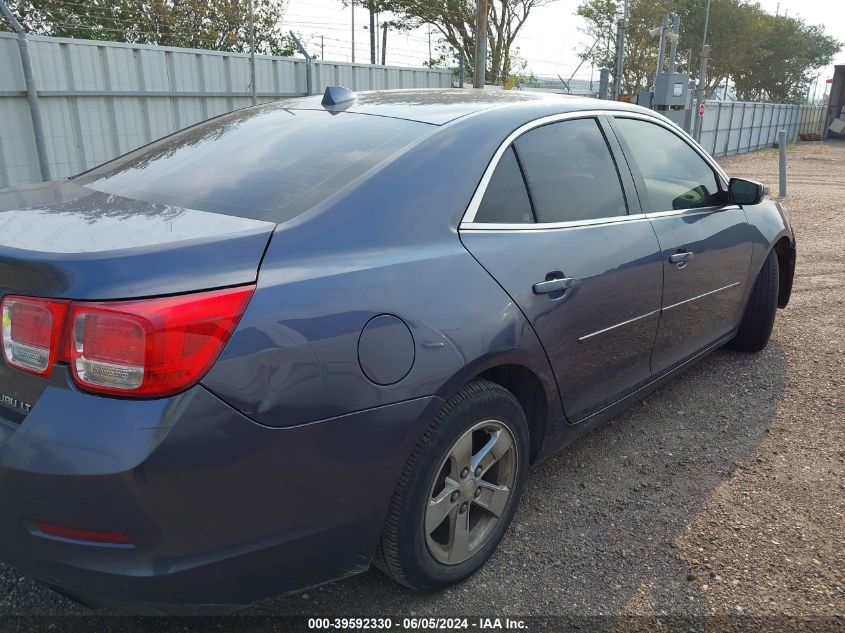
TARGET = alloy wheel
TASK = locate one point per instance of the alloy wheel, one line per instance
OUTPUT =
(470, 492)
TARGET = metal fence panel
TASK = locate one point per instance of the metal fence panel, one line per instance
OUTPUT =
(103, 99)
(736, 127)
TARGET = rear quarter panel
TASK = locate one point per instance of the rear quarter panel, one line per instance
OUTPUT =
(388, 245)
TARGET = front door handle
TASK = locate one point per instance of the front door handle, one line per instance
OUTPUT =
(553, 285)
(680, 258)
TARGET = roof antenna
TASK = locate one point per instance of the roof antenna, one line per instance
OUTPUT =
(336, 95)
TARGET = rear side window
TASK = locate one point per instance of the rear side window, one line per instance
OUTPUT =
(506, 199)
(270, 163)
(570, 172)
(675, 176)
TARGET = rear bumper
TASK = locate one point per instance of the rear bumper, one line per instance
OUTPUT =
(220, 511)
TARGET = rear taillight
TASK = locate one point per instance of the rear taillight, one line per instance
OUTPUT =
(142, 348)
(31, 331)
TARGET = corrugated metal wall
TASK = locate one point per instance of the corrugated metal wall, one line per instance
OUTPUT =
(102, 99)
(736, 127)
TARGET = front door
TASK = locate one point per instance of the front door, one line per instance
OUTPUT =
(705, 243)
(585, 273)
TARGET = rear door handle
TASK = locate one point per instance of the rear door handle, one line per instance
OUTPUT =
(553, 285)
(679, 258)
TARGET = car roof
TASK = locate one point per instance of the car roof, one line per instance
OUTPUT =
(441, 106)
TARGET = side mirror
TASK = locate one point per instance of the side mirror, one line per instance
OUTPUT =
(742, 191)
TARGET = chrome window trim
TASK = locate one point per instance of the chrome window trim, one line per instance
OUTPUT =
(468, 223)
(548, 226)
(475, 202)
(686, 138)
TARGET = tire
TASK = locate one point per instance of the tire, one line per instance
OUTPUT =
(759, 318)
(434, 558)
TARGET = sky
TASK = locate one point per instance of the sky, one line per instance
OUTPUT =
(549, 41)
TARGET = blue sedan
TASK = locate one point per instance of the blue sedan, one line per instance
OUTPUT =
(300, 338)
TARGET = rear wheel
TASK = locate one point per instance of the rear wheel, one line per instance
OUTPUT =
(459, 490)
(759, 318)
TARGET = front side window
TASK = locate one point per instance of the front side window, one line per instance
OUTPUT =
(675, 176)
(570, 172)
(506, 199)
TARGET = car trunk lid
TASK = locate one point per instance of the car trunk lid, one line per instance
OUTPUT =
(65, 241)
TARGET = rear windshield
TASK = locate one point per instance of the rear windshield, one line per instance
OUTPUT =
(270, 163)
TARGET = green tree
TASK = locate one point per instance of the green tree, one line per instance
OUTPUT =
(640, 64)
(785, 53)
(455, 21)
(732, 23)
(763, 55)
(209, 24)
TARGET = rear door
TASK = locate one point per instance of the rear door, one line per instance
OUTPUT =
(705, 242)
(586, 273)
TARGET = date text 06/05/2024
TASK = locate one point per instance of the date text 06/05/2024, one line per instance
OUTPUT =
(418, 624)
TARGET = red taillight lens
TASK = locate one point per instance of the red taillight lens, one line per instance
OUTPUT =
(151, 347)
(108, 350)
(92, 536)
(144, 348)
(31, 331)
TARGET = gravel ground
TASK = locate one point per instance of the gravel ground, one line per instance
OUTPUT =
(722, 493)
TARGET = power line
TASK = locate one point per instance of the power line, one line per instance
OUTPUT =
(117, 24)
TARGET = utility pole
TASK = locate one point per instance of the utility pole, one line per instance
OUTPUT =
(701, 92)
(384, 44)
(621, 27)
(322, 48)
(31, 91)
(353, 31)
(617, 68)
(429, 43)
(705, 52)
(480, 45)
(372, 34)
(252, 55)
